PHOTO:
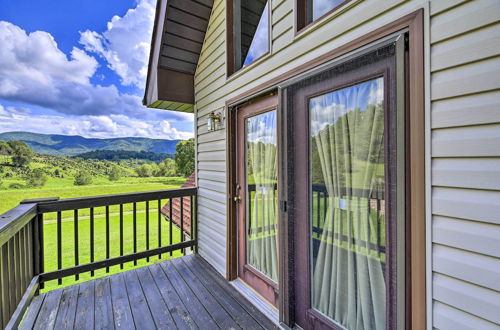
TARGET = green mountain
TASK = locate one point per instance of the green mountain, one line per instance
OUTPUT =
(65, 145)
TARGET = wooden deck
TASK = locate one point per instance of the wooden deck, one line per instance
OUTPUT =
(185, 293)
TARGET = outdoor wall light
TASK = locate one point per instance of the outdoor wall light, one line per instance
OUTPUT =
(214, 121)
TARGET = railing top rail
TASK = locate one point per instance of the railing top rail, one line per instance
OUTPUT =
(13, 220)
(107, 200)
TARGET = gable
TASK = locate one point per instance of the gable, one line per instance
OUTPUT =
(178, 34)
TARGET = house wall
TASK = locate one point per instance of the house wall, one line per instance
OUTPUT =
(463, 77)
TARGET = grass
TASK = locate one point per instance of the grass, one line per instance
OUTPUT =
(64, 188)
(68, 243)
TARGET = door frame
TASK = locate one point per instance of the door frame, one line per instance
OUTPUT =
(416, 231)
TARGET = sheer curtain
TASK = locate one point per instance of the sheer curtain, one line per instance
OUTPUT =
(263, 202)
(347, 140)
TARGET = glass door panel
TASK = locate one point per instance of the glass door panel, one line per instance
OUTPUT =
(257, 196)
(347, 226)
(262, 194)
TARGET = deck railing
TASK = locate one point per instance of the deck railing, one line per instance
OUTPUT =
(72, 225)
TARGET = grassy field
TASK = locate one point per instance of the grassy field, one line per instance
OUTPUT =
(68, 243)
(64, 188)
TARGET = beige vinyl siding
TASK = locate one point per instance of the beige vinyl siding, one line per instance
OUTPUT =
(465, 117)
(464, 139)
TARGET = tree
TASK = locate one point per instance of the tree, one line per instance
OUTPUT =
(114, 174)
(167, 168)
(36, 178)
(5, 149)
(144, 171)
(22, 154)
(184, 157)
(82, 178)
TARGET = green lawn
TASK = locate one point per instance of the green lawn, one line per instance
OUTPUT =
(68, 243)
(64, 188)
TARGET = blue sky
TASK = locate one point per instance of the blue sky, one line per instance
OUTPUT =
(79, 67)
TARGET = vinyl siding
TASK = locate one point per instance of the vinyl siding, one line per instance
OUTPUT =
(464, 139)
(465, 144)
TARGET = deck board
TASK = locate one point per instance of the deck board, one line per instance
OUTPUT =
(185, 293)
(67, 311)
(85, 310)
(162, 317)
(103, 304)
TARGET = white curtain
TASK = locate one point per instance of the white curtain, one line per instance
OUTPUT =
(347, 136)
(262, 227)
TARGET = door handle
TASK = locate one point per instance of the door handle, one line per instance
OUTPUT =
(237, 199)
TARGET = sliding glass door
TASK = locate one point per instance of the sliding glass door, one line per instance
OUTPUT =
(348, 229)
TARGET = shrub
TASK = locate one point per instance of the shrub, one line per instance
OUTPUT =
(16, 186)
(22, 154)
(168, 168)
(5, 149)
(114, 174)
(82, 178)
(144, 171)
(36, 178)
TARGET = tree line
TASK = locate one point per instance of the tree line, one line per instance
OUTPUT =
(83, 170)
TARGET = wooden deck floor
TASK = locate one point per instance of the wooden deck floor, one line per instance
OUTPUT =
(184, 293)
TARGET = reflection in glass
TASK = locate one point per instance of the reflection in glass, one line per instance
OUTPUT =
(347, 205)
(317, 8)
(262, 194)
(251, 31)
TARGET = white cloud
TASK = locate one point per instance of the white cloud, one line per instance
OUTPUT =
(126, 42)
(33, 70)
(35, 58)
(13, 119)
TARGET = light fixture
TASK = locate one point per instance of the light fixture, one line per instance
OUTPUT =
(214, 121)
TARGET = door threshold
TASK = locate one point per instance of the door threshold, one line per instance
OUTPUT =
(257, 300)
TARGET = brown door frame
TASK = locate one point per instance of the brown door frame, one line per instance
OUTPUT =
(416, 292)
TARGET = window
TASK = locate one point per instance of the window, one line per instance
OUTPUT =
(248, 32)
(311, 10)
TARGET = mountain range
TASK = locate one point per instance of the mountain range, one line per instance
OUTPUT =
(66, 145)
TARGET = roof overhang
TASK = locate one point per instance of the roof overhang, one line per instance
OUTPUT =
(178, 35)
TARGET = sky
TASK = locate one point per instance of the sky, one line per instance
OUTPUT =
(78, 67)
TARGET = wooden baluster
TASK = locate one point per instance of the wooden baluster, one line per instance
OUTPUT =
(41, 249)
(21, 262)
(159, 226)
(4, 285)
(191, 218)
(147, 228)
(107, 236)
(182, 224)
(59, 244)
(11, 268)
(76, 243)
(170, 223)
(196, 222)
(121, 233)
(135, 230)
(91, 238)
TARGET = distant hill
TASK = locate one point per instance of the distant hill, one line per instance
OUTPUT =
(65, 145)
